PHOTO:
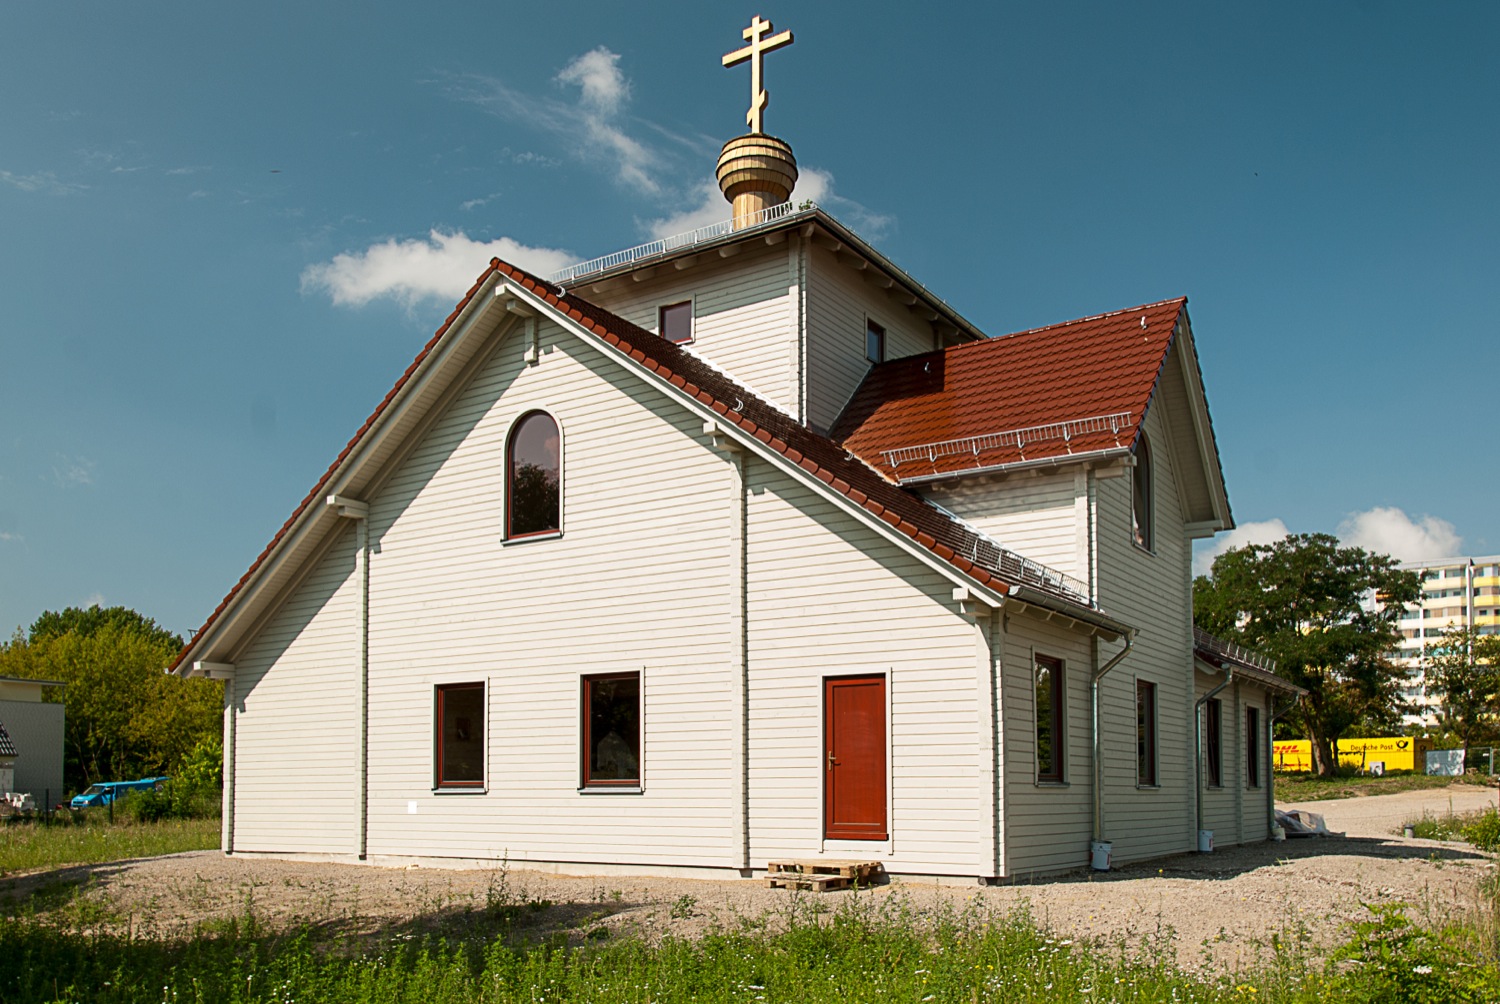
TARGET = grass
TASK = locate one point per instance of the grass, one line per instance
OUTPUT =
(861, 953)
(1480, 827)
(1311, 788)
(27, 845)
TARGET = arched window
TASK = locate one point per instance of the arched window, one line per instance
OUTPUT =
(533, 497)
(1141, 495)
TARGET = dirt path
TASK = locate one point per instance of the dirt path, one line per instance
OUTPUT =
(1222, 907)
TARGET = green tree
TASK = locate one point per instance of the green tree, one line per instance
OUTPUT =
(124, 717)
(1304, 601)
(1464, 672)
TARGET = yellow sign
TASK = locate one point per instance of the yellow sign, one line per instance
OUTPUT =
(1396, 752)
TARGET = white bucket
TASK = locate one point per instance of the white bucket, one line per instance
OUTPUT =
(1278, 833)
(1099, 853)
(1205, 841)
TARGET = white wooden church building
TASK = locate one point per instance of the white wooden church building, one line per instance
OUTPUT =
(745, 547)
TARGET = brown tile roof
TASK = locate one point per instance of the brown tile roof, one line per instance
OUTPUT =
(950, 540)
(1014, 398)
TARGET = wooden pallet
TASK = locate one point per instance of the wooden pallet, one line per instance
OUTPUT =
(820, 876)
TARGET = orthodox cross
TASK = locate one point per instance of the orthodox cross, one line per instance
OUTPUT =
(758, 47)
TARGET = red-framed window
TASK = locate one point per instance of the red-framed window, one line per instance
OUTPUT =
(533, 488)
(612, 730)
(1051, 749)
(1213, 741)
(459, 738)
(1145, 733)
(675, 321)
(1142, 497)
(874, 342)
(1252, 747)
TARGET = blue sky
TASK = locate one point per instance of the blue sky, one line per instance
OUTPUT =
(225, 230)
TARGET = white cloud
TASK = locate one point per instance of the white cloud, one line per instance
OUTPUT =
(1265, 532)
(812, 184)
(1388, 530)
(6, 537)
(441, 267)
(43, 181)
(71, 472)
(594, 123)
(483, 200)
(597, 72)
(94, 600)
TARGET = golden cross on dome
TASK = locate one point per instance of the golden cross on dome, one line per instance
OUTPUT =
(758, 47)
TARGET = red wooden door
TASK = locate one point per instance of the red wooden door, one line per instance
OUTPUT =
(854, 758)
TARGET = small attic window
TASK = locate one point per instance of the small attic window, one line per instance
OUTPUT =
(874, 342)
(1141, 496)
(675, 322)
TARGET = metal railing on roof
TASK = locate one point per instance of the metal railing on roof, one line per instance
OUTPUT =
(667, 245)
(1019, 438)
(1239, 653)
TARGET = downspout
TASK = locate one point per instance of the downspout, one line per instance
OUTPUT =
(1271, 716)
(1096, 727)
(231, 705)
(348, 508)
(1198, 743)
(739, 630)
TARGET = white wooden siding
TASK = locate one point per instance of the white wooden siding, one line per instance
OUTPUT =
(297, 682)
(1047, 826)
(1153, 592)
(636, 583)
(831, 597)
(744, 313)
(1038, 516)
(838, 304)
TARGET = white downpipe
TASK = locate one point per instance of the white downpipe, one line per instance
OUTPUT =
(1096, 727)
(348, 508)
(1198, 725)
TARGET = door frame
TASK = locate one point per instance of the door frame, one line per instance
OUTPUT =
(883, 841)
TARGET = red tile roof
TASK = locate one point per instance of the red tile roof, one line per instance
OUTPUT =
(1033, 388)
(820, 456)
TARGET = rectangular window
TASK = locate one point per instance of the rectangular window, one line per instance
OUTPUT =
(675, 322)
(1252, 747)
(460, 736)
(874, 342)
(1213, 748)
(1050, 749)
(1145, 733)
(612, 730)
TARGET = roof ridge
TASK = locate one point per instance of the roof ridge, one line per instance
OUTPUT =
(1179, 300)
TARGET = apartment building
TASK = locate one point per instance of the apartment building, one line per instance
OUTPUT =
(1456, 592)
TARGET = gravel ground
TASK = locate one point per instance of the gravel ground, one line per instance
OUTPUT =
(1222, 908)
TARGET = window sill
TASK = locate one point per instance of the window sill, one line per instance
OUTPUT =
(1147, 787)
(461, 791)
(623, 789)
(528, 538)
(1143, 549)
(1051, 784)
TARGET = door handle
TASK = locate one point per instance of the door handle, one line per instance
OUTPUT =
(832, 763)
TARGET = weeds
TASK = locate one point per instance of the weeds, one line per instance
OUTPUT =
(1480, 828)
(88, 839)
(865, 951)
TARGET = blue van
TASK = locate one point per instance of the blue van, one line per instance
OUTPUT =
(106, 792)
